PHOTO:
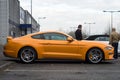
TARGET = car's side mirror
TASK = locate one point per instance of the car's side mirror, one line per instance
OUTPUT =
(69, 39)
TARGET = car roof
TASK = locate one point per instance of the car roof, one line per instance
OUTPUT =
(92, 37)
(47, 32)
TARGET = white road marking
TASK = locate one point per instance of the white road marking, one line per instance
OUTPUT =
(43, 70)
(79, 71)
(4, 65)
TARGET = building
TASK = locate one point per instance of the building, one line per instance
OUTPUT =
(25, 23)
(15, 21)
(9, 19)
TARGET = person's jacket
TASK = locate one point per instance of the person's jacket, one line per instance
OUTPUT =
(78, 34)
(114, 37)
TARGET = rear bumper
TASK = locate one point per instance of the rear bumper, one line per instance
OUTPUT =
(10, 54)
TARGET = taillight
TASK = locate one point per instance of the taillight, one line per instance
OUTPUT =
(9, 38)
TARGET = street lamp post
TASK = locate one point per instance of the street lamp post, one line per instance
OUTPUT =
(39, 19)
(31, 16)
(89, 26)
(111, 18)
(31, 7)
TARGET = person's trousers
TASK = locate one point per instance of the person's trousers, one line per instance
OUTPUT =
(115, 45)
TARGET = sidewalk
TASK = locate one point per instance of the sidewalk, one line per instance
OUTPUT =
(4, 63)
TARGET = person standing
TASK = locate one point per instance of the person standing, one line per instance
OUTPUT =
(78, 33)
(114, 39)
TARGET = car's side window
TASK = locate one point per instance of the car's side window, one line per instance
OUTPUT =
(107, 38)
(47, 36)
(50, 36)
(55, 36)
(58, 37)
(102, 39)
(38, 36)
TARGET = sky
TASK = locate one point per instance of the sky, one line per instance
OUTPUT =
(66, 15)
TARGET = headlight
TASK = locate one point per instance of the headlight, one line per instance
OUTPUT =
(108, 48)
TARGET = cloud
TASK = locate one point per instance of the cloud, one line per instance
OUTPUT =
(69, 13)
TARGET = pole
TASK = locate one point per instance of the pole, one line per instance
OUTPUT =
(39, 20)
(111, 26)
(89, 26)
(31, 16)
(111, 21)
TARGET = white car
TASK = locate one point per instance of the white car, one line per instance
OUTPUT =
(102, 38)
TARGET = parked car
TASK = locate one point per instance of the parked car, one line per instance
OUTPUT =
(102, 38)
(56, 45)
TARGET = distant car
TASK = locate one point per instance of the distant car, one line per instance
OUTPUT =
(102, 38)
(56, 45)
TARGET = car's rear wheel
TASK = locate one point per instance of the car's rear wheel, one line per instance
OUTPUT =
(94, 55)
(27, 55)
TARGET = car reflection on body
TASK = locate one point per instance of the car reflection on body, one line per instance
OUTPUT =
(56, 45)
(102, 38)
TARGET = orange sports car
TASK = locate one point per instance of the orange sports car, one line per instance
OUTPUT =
(56, 45)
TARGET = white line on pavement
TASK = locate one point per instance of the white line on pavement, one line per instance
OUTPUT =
(81, 71)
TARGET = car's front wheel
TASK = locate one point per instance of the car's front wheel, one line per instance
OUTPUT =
(27, 55)
(94, 55)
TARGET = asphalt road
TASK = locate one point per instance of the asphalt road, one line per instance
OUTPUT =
(62, 70)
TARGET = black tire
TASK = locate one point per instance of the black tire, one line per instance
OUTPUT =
(94, 56)
(27, 55)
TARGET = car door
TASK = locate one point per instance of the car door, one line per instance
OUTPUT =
(58, 46)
